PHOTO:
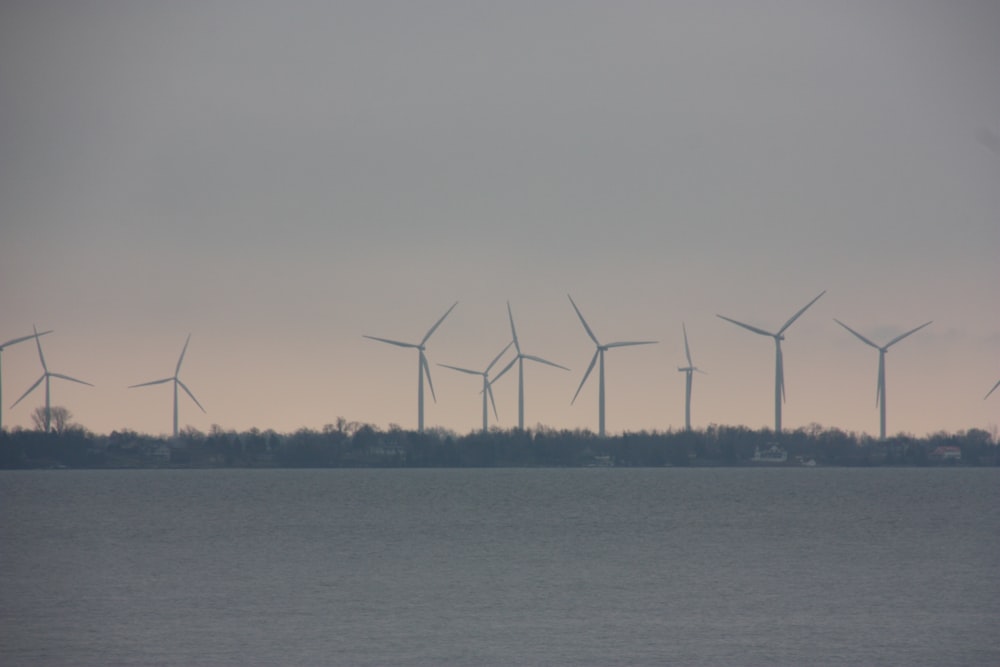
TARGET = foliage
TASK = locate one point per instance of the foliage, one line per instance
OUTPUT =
(351, 444)
(59, 418)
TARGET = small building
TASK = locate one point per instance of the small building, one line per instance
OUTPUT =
(946, 454)
(161, 453)
(773, 454)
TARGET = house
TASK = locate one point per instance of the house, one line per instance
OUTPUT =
(946, 454)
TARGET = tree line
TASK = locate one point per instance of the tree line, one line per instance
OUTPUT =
(345, 444)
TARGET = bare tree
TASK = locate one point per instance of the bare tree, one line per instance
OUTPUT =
(60, 418)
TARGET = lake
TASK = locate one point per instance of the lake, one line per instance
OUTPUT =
(706, 566)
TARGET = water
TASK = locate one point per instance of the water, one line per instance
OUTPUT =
(500, 567)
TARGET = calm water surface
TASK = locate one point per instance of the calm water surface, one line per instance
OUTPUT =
(500, 567)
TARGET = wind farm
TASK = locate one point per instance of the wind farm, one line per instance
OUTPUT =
(880, 382)
(489, 376)
(177, 383)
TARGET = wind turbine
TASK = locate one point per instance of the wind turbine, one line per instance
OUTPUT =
(599, 352)
(12, 341)
(779, 367)
(46, 375)
(487, 385)
(422, 366)
(177, 383)
(689, 369)
(880, 385)
(520, 369)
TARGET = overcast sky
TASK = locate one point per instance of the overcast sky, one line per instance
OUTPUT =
(278, 179)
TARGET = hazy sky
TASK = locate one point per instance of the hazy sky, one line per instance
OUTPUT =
(278, 179)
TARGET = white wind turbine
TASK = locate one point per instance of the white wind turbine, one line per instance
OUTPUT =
(177, 383)
(880, 383)
(46, 375)
(779, 366)
(12, 341)
(599, 353)
(422, 366)
(487, 385)
(689, 370)
(520, 369)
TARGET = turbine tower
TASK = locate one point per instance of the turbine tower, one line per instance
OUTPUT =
(880, 383)
(599, 353)
(47, 376)
(520, 368)
(689, 370)
(779, 367)
(422, 366)
(12, 341)
(487, 385)
(177, 383)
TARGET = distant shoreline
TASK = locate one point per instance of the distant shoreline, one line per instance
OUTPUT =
(352, 445)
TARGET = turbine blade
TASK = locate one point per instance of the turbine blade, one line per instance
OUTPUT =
(687, 350)
(505, 369)
(146, 384)
(38, 382)
(585, 376)
(489, 392)
(747, 326)
(438, 323)
(802, 310)
(66, 377)
(427, 373)
(513, 331)
(20, 339)
(543, 361)
(992, 390)
(632, 342)
(863, 339)
(461, 370)
(584, 322)
(497, 358)
(188, 391)
(902, 336)
(181, 358)
(41, 356)
(391, 342)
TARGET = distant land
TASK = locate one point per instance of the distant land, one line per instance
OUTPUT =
(353, 445)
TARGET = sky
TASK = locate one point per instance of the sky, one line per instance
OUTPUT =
(280, 179)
